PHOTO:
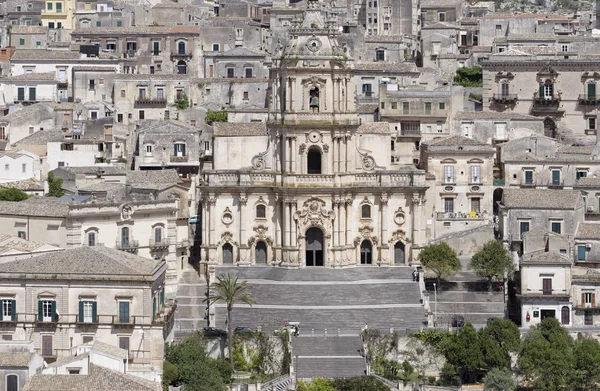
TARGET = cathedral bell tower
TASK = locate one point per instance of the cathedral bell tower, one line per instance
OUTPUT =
(312, 73)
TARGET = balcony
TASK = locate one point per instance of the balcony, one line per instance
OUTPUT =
(499, 182)
(124, 322)
(183, 243)
(62, 85)
(130, 53)
(555, 184)
(130, 245)
(179, 159)
(156, 244)
(546, 99)
(585, 99)
(84, 322)
(181, 56)
(149, 103)
(504, 98)
(460, 216)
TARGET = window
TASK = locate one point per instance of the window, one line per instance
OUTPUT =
(505, 90)
(61, 164)
(405, 108)
(427, 108)
(9, 310)
(98, 23)
(564, 48)
(50, 25)
(207, 145)
(88, 338)
(467, 129)
(230, 73)
(366, 211)
(442, 16)
(22, 235)
(367, 91)
(49, 6)
(123, 312)
(449, 205)
(314, 161)
(383, 105)
(498, 30)
(148, 150)
(555, 177)
(120, 118)
(500, 131)
(393, 145)
(580, 174)
(158, 235)
(589, 299)
(58, 7)
(556, 227)
(181, 47)
(547, 286)
(124, 343)
(91, 239)
(141, 114)
(179, 149)
(87, 311)
(523, 227)
(476, 173)
(73, 371)
(581, 252)
(449, 174)
(215, 47)
(141, 93)
(261, 212)
(119, 23)
(167, 114)
(442, 106)
(547, 90)
(475, 204)
(438, 127)
(248, 73)
(380, 55)
(394, 105)
(588, 318)
(47, 311)
(245, 95)
(528, 177)
(592, 123)
(22, 41)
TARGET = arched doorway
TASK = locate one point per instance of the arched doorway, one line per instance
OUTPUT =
(314, 247)
(399, 253)
(366, 253)
(549, 128)
(12, 383)
(181, 67)
(227, 254)
(565, 315)
(260, 252)
(314, 161)
(314, 100)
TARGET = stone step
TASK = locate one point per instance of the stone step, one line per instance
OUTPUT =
(191, 290)
(466, 296)
(330, 367)
(318, 273)
(468, 308)
(190, 277)
(331, 319)
(334, 294)
(326, 346)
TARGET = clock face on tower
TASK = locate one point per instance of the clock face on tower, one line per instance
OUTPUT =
(314, 44)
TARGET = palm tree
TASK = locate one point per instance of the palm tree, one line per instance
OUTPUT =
(229, 290)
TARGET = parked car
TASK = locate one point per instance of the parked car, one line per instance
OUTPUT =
(214, 332)
(458, 321)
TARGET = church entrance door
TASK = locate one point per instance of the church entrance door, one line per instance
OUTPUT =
(314, 247)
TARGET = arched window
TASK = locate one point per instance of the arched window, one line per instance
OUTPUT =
(158, 235)
(366, 253)
(91, 238)
(125, 237)
(261, 212)
(547, 90)
(227, 253)
(181, 47)
(12, 383)
(314, 161)
(565, 315)
(260, 252)
(314, 100)
(366, 211)
(181, 67)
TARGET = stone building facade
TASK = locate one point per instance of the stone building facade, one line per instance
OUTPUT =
(313, 186)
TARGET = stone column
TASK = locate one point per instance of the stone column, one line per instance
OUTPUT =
(292, 92)
(212, 201)
(243, 200)
(284, 222)
(293, 226)
(335, 203)
(342, 222)
(288, 104)
(384, 218)
(294, 154)
(349, 219)
(418, 219)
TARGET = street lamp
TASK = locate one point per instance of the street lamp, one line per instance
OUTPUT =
(435, 305)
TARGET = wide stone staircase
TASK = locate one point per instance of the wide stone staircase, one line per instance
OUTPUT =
(329, 299)
(328, 356)
(467, 295)
(190, 308)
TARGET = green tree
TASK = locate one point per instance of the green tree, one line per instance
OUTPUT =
(499, 380)
(13, 194)
(463, 352)
(440, 259)
(54, 186)
(183, 103)
(469, 76)
(359, 383)
(491, 262)
(500, 338)
(317, 384)
(216, 116)
(586, 353)
(188, 364)
(230, 291)
(546, 357)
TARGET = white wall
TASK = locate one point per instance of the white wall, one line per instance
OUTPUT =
(23, 167)
(82, 155)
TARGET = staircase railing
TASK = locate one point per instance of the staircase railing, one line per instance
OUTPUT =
(393, 386)
(277, 383)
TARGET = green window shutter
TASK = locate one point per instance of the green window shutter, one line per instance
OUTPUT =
(54, 317)
(153, 306)
(581, 253)
(13, 307)
(162, 296)
(98, 23)
(94, 312)
(80, 311)
(40, 311)
(591, 91)
(119, 23)
(541, 91)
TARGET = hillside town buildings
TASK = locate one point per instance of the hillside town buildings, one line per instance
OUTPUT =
(194, 135)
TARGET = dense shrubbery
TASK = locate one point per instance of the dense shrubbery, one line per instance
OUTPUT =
(469, 76)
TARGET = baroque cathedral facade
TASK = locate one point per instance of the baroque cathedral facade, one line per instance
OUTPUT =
(313, 185)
